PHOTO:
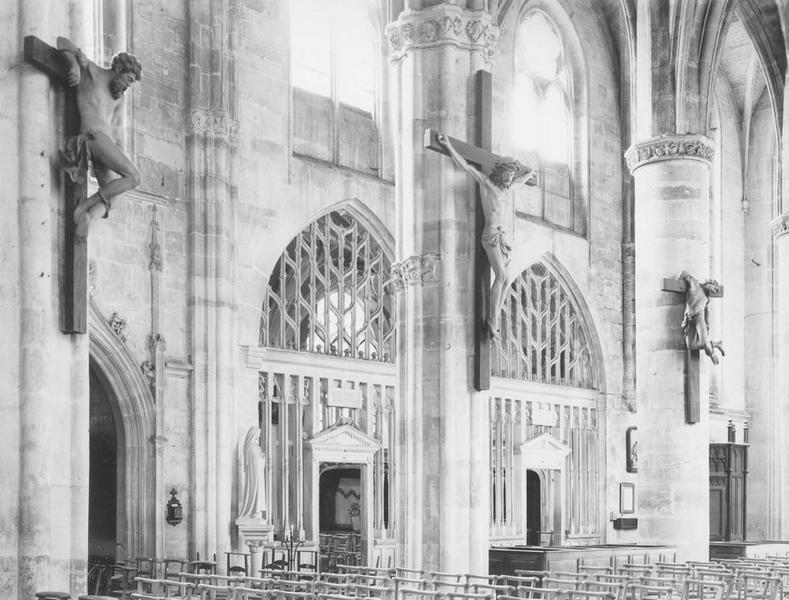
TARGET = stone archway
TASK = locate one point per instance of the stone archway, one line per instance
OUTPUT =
(133, 410)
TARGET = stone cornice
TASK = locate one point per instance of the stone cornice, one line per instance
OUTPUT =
(780, 226)
(669, 147)
(415, 270)
(441, 25)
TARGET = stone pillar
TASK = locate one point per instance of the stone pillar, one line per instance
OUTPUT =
(441, 434)
(779, 414)
(671, 210)
(212, 151)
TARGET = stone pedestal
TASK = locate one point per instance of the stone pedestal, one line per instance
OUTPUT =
(442, 435)
(671, 235)
(255, 533)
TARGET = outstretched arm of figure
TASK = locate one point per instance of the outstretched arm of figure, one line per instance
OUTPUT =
(74, 58)
(478, 176)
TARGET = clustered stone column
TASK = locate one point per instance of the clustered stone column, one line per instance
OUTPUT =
(442, 436)
(780, 232)
(671, 211)
(212, 152)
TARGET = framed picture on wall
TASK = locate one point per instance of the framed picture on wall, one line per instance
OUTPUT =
(631, 446)
(627, 498)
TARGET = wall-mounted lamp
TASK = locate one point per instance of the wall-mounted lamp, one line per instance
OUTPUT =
(175, 510)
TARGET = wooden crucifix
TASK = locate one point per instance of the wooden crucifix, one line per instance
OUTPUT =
(93, 101)
(74, 286)
(486, 168)
(695, 328)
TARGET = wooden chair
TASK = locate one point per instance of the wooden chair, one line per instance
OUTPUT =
(639, 591)
(172, 568)
(53, 596)
(540, 575)
(696, 589)
(210, 591)
(237, 563)
(122, 579)
(562, 584)
(373, 591)
(514, 581)
(202, 567)
(756, 586)
(592, 569)
(634, 570)
(246, 593)
(617, 589)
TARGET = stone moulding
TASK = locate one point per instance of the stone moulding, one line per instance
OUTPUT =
(441, 25)
(780, 226)
(669, 147)
(415, 270)
(216, 124)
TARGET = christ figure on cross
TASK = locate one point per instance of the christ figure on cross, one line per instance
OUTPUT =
(494, 187)
(99, 95)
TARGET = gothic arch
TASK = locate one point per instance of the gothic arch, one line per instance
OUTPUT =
(357, 314)
(133, 409)
(576, 322)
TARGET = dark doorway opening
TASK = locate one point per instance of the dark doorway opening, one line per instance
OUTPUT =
(103, 482)
(533, 508)
(340, 514)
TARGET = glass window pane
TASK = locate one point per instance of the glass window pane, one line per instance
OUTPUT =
(310, 45)
(556, 126)
(355, 54)
(525, 115)
(538, 49)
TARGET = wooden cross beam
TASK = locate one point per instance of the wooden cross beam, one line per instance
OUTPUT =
(480, 155)
(74, 283)
(692, 355)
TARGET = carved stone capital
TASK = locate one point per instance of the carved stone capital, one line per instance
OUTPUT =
(215, 124)
(780, 226)
(415, 270)
(440, 25)
(669, 147)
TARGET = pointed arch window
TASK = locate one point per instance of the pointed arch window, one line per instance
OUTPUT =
(326, 293)
(543, 335)
(334, 51)
(543, 120)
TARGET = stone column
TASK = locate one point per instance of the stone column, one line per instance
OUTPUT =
(441, 434)
(779, 414)
(671, 210)
(212, 151)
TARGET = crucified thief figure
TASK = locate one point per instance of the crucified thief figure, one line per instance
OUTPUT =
(696, 321)
(494, 188)
(99, 95)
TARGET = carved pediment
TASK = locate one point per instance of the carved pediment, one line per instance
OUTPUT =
(544, 452)
(343, 442)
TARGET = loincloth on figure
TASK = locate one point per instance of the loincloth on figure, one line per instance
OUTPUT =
(496, 238)
(75, 157)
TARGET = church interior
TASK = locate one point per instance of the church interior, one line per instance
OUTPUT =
(286, 363)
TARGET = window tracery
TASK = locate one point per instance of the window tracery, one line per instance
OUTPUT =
(543, 120)
(326, 293)
(543, 338)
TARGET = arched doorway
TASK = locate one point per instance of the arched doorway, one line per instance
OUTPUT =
(103, 478)
(127, 394)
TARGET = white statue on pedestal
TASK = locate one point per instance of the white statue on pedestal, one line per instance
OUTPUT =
(253, 497)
